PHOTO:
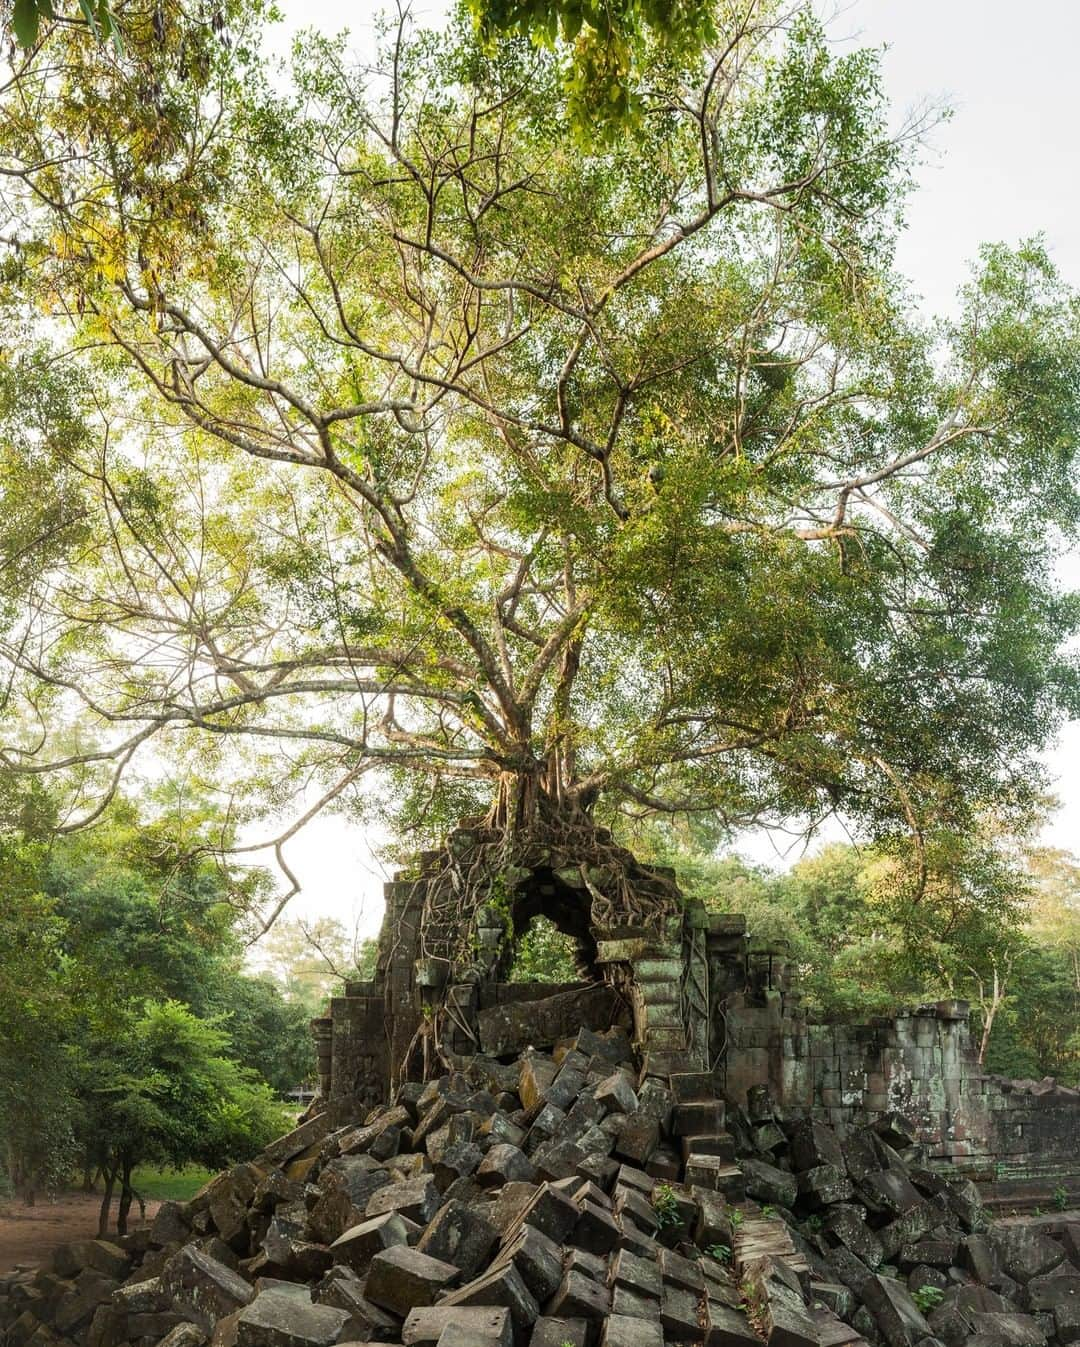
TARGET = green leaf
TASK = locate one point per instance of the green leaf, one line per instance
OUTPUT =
(26, 21)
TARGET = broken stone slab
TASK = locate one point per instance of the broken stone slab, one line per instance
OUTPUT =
(615, 1094)
(551, 1211)
(537, 1258)
(551, 1332)
(400, 1278)
(170, 1226)
(505, 1164)
(488, 1325)
(579, 1297)
(620, 1330)
(638, 1274)
(100, 1255)
(502, 1286)
(813, 1144)
(1060, 1287)
(184, 1335)
(845, 1225)
(727, 1327)
(637, 1138)
(824, 1186)
(1024, 1252)
(358, 1245)
(1018, 1330)
(889, 1191)
(900, 1321)
(417, 1198)
(624, 1300)
(277, 1319)
(461, 1235)
(777, 1304)
(346, 1292)
(768, 1184)
(680, 1315)
(204, 1288)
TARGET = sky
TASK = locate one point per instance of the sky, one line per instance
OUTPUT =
(1004, 166)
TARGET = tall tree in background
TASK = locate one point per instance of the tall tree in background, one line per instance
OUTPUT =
(399, 432)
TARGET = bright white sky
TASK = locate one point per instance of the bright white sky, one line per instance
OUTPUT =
(1006, 166)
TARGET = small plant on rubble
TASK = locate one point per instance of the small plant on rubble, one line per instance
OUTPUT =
(666, 1205)
(1061, 1198)
(721, 1252)
(768, 1210)
(928, 1298)
(736, 1218)
(814, 1224)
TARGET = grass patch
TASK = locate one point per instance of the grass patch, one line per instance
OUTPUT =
(169, 1185)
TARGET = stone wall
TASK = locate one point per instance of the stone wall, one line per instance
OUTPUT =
(921, 1064)
(696, 996)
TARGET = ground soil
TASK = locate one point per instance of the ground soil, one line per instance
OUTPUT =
(29, 1234)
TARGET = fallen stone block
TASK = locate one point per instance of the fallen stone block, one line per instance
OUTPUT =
(204, 1288)
(490, 1326)
(824, 1186)
(357, 1246)
(619, 1330)
(418, 1199)
(616, 1094)
(550, 1332)
(1018, 1330)
(579, 1297)
(1024, 1252)
(461, 1235)
(278, 1319)
(768, 1184)
(680, 1315)
(505, 1164)
(400, 1277)
(638, 1274)
(537, 1258)
(502, 1286)
(812, 1145)
(899, 1320)
(727, 1327)
(1060, 1287)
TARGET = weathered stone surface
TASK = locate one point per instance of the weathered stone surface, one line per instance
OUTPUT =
(1026, 1253)
(551, 1332)
(1018, 1330)
(204, 1288)
(825, 1185)
(278, 1319)
(505, 1164)
(727, 1327)
(579, 1297)
(500, 1286)
(899, 1320)
(100, 1255)
(639, 1274)
(615, 1094)
(417, 1199)
(358, 1245)
(400, 1278)
(487, 1324)
(537, 1258)
(622, 1331)
(768, 1184)
(814, 1144)
(461, 1235)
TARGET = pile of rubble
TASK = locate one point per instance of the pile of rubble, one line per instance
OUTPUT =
(562, 1202)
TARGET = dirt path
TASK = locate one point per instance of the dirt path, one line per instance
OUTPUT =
(29, 1234)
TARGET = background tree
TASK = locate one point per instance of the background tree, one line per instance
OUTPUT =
(166, 1092)
(405, 433)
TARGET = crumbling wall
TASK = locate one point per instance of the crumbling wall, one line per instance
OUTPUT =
(921, 1064)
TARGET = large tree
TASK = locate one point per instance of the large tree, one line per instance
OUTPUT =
(380, 424)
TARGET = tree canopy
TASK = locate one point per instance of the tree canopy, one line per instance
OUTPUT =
(379, 425)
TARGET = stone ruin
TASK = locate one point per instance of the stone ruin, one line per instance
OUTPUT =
(664, 1152)
(696, 994)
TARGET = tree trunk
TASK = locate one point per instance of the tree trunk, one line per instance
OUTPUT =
(106, 1201)
(126, 1196)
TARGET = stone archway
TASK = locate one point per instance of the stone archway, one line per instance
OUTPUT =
(445, 949)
